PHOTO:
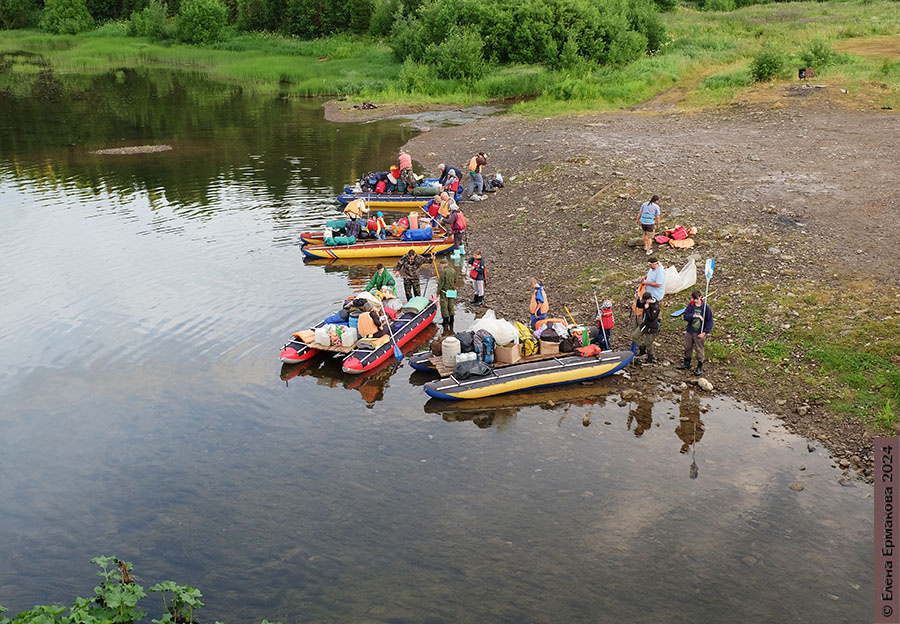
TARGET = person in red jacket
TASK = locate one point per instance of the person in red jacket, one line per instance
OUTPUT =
(477, 273)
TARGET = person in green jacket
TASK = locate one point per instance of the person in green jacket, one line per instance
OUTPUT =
(380, 279)
(446, 281)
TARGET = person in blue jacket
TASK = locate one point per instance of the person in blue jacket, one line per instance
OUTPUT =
(699, 319)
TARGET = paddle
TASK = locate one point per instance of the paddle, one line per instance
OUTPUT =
(397, 352)
(681, 311)
(599, 317)
(710, 265)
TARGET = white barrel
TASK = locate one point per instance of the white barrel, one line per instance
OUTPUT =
(322, 335)
(449, 349)
(349, 337)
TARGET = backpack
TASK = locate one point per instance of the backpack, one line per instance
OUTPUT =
(527, 340)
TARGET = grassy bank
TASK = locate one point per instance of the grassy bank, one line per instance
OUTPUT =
(705, 62)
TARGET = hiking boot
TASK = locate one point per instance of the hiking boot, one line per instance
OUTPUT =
(685, 366)
(480, 301)
(699, 370)
(642, 351)
(650, 359)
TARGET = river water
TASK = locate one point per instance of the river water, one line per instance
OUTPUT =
(144, 413)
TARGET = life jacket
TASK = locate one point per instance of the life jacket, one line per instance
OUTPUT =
(432, 208)
(473, 164)
(536, 307)
(398, 228)
(478, 264)
(380, 225)
(606, 318)
(548, 321)
(444, 209)
(355, 208)
(371, 225)
(460, 224)
(366, 324)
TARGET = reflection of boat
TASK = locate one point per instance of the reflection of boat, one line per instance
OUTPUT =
(356, 359)
(528, 375)
(369, 384)
(378, 248)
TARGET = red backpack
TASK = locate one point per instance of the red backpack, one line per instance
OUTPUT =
(460, 224)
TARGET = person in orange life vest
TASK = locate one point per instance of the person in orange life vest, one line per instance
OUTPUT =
(456, 223)
(377, 226)
(406, 172)
(477, 273)
(476, 179)
(540, 304)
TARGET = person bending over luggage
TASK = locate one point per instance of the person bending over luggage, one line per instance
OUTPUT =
(476, 179)
(646, 332)
(450, 177)
(377, 227)
(408, 269)
(540, 304)
(381, 279)
(406, 171)
(355, 209)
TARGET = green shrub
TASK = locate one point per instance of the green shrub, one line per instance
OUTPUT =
(458, 56)
(17, 13)
(766, 65)
(414, 77)
(818, 54)
(201, 21)
(382, 19)
(152, 21)
(66, 17)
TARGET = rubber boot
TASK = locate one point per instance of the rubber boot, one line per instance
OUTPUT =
(480, 300)
(450, 325)
(699, 370)
(642, 351)
(685, 366)
(650, 359)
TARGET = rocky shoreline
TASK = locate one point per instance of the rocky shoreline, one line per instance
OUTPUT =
(767, 187)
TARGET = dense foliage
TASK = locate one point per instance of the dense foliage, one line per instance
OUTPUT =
(201, 21)
(766, 65)
(17, 13)
(549, 32)
(66, 16)
(151, 21)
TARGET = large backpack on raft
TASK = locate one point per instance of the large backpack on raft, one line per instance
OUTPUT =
(528, 342)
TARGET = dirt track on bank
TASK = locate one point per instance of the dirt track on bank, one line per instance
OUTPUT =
(796, 191)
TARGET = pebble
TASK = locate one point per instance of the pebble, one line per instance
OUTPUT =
(705, 383)
(586, 421)
(797, 487)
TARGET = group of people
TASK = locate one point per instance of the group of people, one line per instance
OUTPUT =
(697, 314)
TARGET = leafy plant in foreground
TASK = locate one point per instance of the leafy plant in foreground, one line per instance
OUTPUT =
(184, 600)
(766, 65)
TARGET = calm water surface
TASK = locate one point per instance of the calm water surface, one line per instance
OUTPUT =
(144, 413)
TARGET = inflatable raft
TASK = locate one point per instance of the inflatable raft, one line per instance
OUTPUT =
(375, 248)
(528, 375)
(409, 323)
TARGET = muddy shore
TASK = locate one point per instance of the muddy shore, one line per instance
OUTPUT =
(784, 195)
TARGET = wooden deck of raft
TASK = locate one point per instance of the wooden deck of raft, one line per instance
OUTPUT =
(445, 371)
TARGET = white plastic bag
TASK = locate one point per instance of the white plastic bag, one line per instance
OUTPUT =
(676, 281)
(502, 330)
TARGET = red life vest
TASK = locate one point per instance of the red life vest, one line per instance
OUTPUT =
(460, 224)
(606, 318)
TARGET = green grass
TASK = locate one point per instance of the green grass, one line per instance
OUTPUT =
(829, 350)
(704, 63)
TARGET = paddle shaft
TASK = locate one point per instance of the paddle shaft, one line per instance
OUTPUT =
(397, 352)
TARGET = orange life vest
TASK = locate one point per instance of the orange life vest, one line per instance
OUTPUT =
(366, 325)
(535, 307)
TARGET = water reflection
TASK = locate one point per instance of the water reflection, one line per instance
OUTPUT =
(370, 384)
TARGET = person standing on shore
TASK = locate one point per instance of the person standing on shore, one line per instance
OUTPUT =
(655, 280)
(408, 269)
(646, 331)
(476, 180)
(699, 319)
(648, 219)
(457, 224)
(477, 273)
(447, 282)
(540, 305)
